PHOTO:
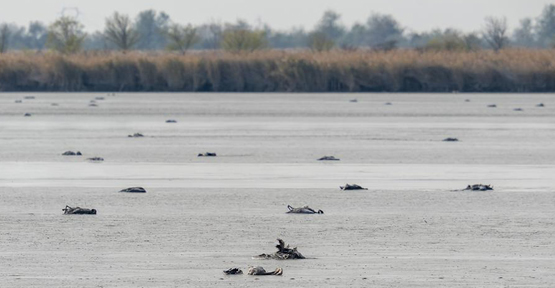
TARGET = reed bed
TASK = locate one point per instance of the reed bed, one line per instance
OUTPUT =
(511, 70)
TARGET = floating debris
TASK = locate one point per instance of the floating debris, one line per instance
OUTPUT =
(18, 101)
(518, 109)
(479, 187)
(492, 106)
(96, 159)
(451, 139)
(303, 210)
(540, 105)
(71, 153)
(233, 271)
(329, 158)
(352, 187)
(54, 104)
(207, 154)
(29, 97)
(353, 100)
(388, 103)
(134, 190)
(78, 211)
(27, 115)
(467, 100)
(260, 271)
(99, 98)
(283, 253)
(171, 121)
(136, 135)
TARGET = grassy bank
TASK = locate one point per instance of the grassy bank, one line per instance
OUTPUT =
(278, 71)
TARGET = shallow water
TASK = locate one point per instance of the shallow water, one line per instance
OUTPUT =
(204, 215)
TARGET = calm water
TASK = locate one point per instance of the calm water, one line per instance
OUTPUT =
(204, 215)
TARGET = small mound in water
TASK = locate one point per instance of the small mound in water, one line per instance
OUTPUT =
(283, 253)
(27, 115)
(303, 210)
(78, 211)
(136, 135)
(352, 187)
(259, 271)
(233, 271)
(207, 154)
(171, 121)
(329, 158)
(451, 139)
(96, 159)
(492, 106)
(540, 105)
(134, 190)
(71, 153)
(478, 187)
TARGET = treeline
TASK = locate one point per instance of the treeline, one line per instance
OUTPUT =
(402, 70)
(151, 30)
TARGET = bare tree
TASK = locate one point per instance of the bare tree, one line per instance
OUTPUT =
(182, 38)
(4, 37)
(66, 35)
(119, 30)
(495, 33)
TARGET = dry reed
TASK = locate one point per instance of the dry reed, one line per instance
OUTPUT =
(512, 70)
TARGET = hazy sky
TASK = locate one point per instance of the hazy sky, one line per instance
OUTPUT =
(418, 15)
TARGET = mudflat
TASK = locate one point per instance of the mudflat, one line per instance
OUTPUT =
(203, 215)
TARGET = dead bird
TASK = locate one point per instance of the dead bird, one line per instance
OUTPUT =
(451, 139)
(71, 153)
(303, 210)
(171, 121)
(283, 253)
(78, 211)
(262, 272)
(136, 135)
(329, 158)
(207, 154)
(134, 190)
(96, 159)
(352, 187)
(233, 271)
(478, 187)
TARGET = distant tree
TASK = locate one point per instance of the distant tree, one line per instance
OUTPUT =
(66, 35)
(356, 36)
(120, 31)
(98, 41)
(448, 40)
(546, 26)
(152, 27)
(495, 33)
(242, 40)
(320, 41)
(4, 37)
(472, 41)
(182, 38)
(383, 30)
(523, 36)
(330, 26)
(36, 36)
(294, 38)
